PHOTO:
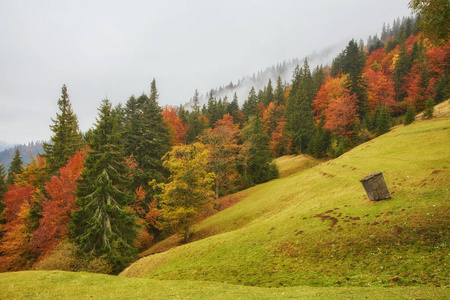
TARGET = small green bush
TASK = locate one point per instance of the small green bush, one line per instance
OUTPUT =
(67, 257)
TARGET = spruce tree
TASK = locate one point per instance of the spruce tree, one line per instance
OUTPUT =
(66, 139)
(279, 92)
(269, 96)
(402, 67)
(233, 108)
(250, 107)
(196, 126)
(300, 122)
(258, 161)
(147, 139)
(15, 168)
(429, 110)
(103, 225)
(410, 115)
(382, 121)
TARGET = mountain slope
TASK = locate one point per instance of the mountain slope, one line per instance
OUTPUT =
(317, 227)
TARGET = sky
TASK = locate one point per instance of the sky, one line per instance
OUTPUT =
(113, 49)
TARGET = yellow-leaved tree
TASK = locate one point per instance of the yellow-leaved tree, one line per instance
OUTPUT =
(190, 188)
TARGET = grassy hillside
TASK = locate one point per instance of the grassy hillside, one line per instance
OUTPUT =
(317, 227)
(313, 235)
(66, 285)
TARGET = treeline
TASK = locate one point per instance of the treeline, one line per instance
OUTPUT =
(93, 200)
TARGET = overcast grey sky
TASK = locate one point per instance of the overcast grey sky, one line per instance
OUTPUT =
(115, 48)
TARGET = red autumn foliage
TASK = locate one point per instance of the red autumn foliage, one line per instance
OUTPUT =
(341, 115)
(380, 89)
(280, 142)
(222, 142)
(57, 210)
(148, 216)
(271, 116)
(14, 245)
(376, 59)
(177, 129)
(14, 198)
(332, 88)
(438, 59)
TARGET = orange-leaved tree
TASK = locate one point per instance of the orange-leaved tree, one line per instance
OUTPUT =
(178, 129)
(341, 115)
(222, 142)
(57, 210)
(15, 243)
(332, 88)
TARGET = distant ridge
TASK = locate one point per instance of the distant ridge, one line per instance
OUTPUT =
(26, 151)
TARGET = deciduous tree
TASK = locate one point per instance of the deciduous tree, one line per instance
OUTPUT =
(189, 189)
(222, 143)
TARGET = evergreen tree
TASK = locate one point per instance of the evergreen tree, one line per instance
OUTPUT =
(351, 61)
(196, 126)
(103, 225)
(402, 67)
(443, 88)
(300, 122)
(258, 166)
(429, 110)
(434, 18)
(67, 138)
(212, 108)
(269, 96)
(279, 92)
(318, 79)
(382, 120)
(250, 107)
(146, 138)
(15, 168)
(410, 115)
(321, 140)
(234, 106)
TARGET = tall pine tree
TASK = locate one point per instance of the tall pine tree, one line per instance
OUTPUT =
(15, 168)
(258, 166)
(146, 137)
(300, 122)
(66, 139)
(103, 225)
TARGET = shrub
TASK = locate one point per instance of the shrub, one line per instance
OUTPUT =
(410, 115)
(66, 257)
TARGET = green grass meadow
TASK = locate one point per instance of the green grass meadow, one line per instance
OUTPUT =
(312, 234)
(66, 285)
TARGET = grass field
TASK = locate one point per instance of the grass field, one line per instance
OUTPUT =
(312, 234)
(65, 285)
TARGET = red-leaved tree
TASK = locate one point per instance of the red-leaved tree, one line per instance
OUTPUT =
(380, 89)
(57, 210)
(176, 126)
(15, 243)
(341, 115)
